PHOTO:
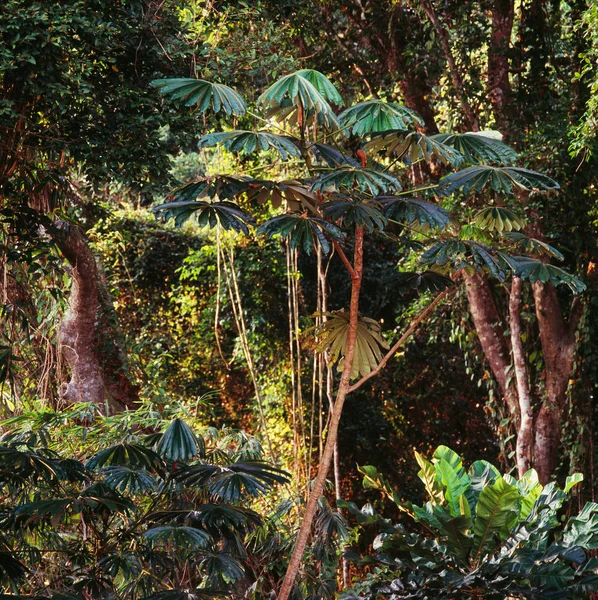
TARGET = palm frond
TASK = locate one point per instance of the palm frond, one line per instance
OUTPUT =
(366, 180)
(478, 147)
(403, 208)
(248, 142)
(375, 116)
(498, 218)
(204, 94)
(412, 146)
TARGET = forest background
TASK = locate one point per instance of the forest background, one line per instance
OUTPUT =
(214, 327)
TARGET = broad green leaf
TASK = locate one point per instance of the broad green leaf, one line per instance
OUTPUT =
(127, 455)
(428, 475)
(572, 481)
(532, 245)
(131, 480)
(205, 95)
(180, 537)
(227, 215)
(355, 212)
(454, 486)
(534, 270)
(497, 503)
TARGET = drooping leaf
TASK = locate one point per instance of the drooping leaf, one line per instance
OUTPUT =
(127, 455)
(366, 180)
(204, 94)
(535, 270)
(296, 95)
(181, 537)
(131, 480)
(179, 442)
(498, 218)
(221, 187)
(374, 116)
(302, 231)
(478, 147)
(322, 84)
(247, 142)
(412, 146)
(355, 211)
(226, 214)
(428, 476)
(532, 245)
(221, 568)
(426, 281)
(500, 179)
(403, 208)
(333, 335)
(233, 482)
(332, 156)
(297, 194)
(464, 253)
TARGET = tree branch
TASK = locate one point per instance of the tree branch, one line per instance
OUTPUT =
(400, 342)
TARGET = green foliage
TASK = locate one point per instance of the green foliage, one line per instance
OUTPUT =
(486, 535)
(375, 116)
(249, 141)
(206, 95)
(478, 148)
(162, 503)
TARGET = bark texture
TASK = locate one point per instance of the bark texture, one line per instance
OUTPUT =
(489, 327)
(78, 334)
(525, 433)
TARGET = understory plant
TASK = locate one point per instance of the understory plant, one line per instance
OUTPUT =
(480, 535)
(161, 512)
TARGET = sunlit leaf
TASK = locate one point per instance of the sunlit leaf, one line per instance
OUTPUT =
(373, 116)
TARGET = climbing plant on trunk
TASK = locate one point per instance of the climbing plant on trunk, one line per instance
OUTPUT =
(353, 180)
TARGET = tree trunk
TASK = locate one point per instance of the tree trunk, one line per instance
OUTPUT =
(558, 348)
(490, 333)
(525, 433)
(78, 332)
(327, 456)
(499, 86)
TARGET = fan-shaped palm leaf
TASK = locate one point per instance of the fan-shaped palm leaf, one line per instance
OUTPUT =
(232, 482)
(322, 84)
(534, 270)
(127, 455)
(207, 214)
(179, 442)
(500, 179)
(302, 231)
(331, 156)
(296, 94)
(17, 466)
(498, 218)
(356, 212)
(204, 94)
(402, 208)
(221, 568)
(533, 245)
(426, 281)
(374, 116)
(180, 537)
(333, 334)
(222, 187)
(127, 479)
(366, 180)
(412, 146)
(296, 194)
(478, 148)
(247, 142)
(223, 518)
(464, 253)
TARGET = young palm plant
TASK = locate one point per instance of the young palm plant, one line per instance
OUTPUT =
(164, 515)
(355, 174)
